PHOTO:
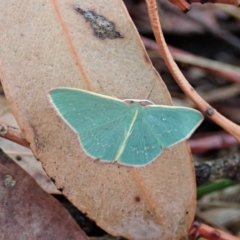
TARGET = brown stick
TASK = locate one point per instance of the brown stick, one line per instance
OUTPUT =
(229, 2)
(13, 135)
(205, 231)
(231, 73)
(206, 109)
(185, 6)
(218, 140)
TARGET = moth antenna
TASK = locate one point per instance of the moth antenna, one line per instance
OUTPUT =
(104, 89)
(145, 98)
(149, 93)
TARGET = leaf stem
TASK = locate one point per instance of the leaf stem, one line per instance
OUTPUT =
(13, 135)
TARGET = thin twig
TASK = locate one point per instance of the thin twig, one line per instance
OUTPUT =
(226, 167)
(231, 73)
(205, 231)
(18, 153)
(185, 6)
(206, 109)
(229, 2)
(219, 32)
(205, 143)
(13, 135)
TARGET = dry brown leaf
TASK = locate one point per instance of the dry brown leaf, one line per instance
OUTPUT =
(48, 44)
(27, 212)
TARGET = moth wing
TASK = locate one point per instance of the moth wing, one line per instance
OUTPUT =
(100, 121)
(105, 142)
(171, 125)
(142, 146)
(84, 110)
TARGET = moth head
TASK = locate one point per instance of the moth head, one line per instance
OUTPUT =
(143, 102)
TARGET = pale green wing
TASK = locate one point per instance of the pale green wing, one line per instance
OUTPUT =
(106, 141)
(84, 110)
(142, 146)
(171, 125)
(100, 121)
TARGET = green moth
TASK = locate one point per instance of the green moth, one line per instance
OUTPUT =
(113, 130)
